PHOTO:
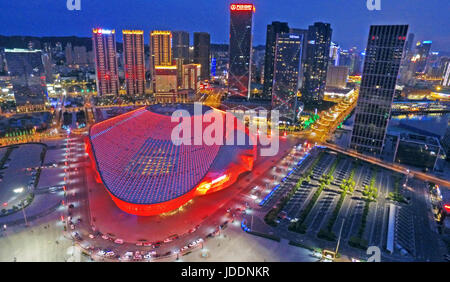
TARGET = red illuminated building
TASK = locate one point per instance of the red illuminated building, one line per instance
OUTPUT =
(240, 49)
(104, 46)
(134, 61)
(145, 173)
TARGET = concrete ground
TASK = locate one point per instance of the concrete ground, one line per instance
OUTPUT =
(234, 245)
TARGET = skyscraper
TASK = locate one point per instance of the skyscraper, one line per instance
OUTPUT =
(104, 47)
(381, 66)
(69, 54)
(241, 23)
(202, 50)
(409, 43)
(304, 34)
(316, 63)
(422, 53)
(134, 61)
(161, 48)
(269, 59)
(26, 69)
(180, 46)
(288, 53)
(446, 75)
(80, 55)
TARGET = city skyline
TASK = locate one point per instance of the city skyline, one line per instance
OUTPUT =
(306, 133)
(349, 20)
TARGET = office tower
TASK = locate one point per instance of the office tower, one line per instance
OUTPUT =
(304, 34)
(288, 53)
(161, 48)
(269, 59)
(381, 66)
(356, 61)
(258, 58)
(241, 23)
(134, 61)
(69, 54)
(345, 59)
(422, 53)
(191, 76)
(48, 67)
(409, 43)
(80, 55)
(180, 46)
(26, 69)
(202, 50)
(337, 76)
(316, 63)
(334, 54)
(104, 48)
(446, 75)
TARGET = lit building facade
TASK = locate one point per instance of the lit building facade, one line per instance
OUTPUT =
(381, 66)
(288, 53)
(161, 48)
(316, 63)
(134, 61)
(26, 69)
(269, 59)
(104, 46)
(422, 53)
(241, 25)
(191, 76)
(166, 79)
(337, 76)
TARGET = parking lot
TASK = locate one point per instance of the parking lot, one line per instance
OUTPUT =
(19, 174)
(368, 226)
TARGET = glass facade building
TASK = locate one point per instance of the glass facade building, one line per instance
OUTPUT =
(381, 66)
(288, 53)
(316, 63)
(269, 59)
(241, 24)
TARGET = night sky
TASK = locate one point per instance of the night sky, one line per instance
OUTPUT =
(350, 19)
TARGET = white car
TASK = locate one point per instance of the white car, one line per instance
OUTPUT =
(110, 254)
(118, 241)
(105, 237)
(101, 253)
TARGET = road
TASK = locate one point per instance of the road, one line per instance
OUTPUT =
(394, 167)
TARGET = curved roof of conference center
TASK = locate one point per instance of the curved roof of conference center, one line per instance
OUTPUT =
(139, 164)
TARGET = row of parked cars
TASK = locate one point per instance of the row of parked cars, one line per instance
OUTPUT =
(142, 255)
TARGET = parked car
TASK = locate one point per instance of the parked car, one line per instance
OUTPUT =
(118, 241)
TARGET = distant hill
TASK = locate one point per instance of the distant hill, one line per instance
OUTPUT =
(22, 41)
